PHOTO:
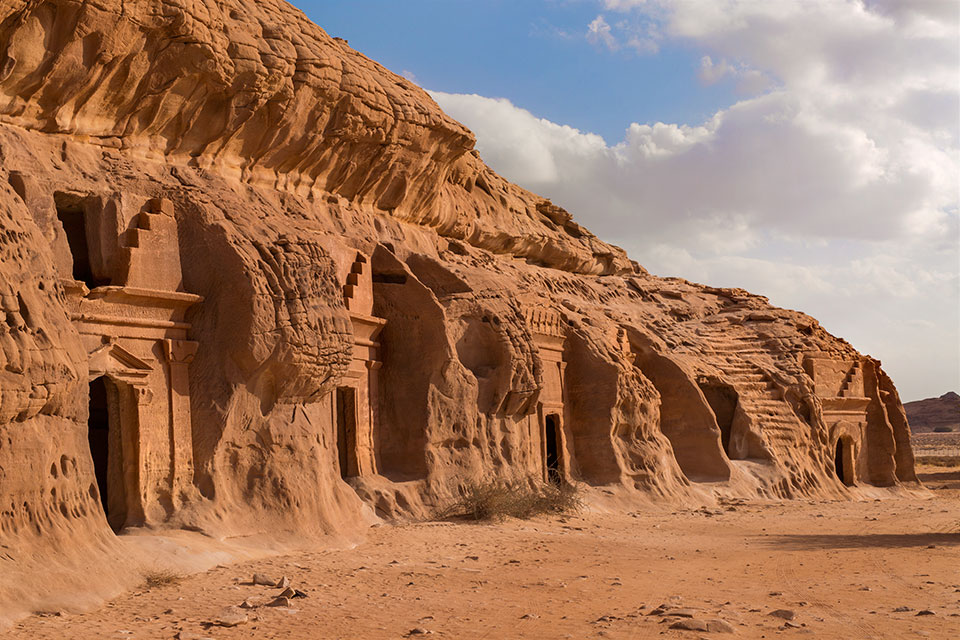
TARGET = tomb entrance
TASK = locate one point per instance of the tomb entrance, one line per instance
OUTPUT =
(347, 432)
(844, 461)
(553, 467)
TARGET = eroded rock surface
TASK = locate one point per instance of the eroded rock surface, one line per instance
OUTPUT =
(254, 284)
(931, 414)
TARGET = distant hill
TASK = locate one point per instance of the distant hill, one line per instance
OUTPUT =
(927, 415)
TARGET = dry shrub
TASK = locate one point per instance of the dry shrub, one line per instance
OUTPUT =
(500, 499)
(938, 461)
(160, 578)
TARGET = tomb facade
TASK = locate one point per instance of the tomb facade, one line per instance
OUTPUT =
(549, 337)
(355, 404)
(133, 326)
(839, 385)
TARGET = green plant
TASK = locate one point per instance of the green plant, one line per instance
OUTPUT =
(500, 499)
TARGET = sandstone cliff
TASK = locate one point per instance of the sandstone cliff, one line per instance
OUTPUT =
(254, 284)
(932, 413)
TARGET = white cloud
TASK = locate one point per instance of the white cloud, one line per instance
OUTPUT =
(832, 187)
(748, 81)
(598, 32)
(712, 73)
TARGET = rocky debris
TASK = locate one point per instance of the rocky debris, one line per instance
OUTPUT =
(697, 624)
(419, 631)
(253, 602)
(262, 580)
(279, 601)
(715, 625)
(926, 612)
(783, 614)
(231, 617)
(690, 624)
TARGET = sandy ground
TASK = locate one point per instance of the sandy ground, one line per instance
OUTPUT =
(846, 570)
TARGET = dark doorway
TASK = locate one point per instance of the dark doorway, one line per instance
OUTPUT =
(843, 462)
(104, 439)
(74, 224)
(723, 401)
(552, 442)
(347, 431)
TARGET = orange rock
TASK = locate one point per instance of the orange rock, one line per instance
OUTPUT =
(255, 284)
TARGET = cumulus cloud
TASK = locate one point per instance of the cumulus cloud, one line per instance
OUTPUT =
(831, 186)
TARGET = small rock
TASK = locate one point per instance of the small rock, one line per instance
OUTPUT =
(716, 625)
(775, 593)
(283, 583)
(680, 613)
(790, 625)
(690, 624)
(783, 614)
(289, 592)
(902, 609)
(279, 601)
(253, 602)
(231, 617)
(262, 580)
(926, 612)
(419, 631)
(298, 594)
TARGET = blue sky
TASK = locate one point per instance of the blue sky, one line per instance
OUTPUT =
(531, 52)
(806, 151)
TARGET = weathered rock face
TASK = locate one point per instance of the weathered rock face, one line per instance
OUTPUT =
(934, 413)
(255, 284)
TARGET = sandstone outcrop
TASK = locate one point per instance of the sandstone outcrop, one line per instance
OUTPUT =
(254, 284)
(941, 413)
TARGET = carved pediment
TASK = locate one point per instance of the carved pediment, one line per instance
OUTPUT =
(113, 359)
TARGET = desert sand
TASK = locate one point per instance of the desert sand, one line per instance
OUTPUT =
(862, 569)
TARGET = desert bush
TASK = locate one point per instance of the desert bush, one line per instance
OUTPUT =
(500, 499)
(160, 578)
(943, 429)
(938, 461)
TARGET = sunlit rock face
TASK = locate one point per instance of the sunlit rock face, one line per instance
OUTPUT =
(255, 285)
